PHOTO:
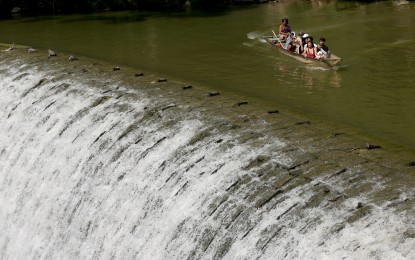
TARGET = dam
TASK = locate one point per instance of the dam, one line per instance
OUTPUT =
(100, 162)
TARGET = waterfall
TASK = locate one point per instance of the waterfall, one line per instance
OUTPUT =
(92, 167)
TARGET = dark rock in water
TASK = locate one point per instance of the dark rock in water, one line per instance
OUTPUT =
(409, 233)
(295, 173)
(262, 158)
(338, 227)
(72, 58)
(121, 177)
(273, 112)
(187, 87)
(303, 123)
(373, 146)
(242, 103)
(359, 205)
(412, 163)
(116, 68)
(139, 74)
(359, 213)
(161, 80)
(51, 53)
(119, 96)
(336, 134)
(84, 70)
(336, 196)
(212, 94)
(326, 189)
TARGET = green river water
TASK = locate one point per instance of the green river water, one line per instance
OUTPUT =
(372, 90)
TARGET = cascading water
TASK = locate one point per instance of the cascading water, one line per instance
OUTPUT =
(94, 168)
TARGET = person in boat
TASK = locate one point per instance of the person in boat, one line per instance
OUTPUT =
(301, 42)
(290, 38)
(309, 38)
(285, 29)
(322, 49)
(306, 39)
(292, 47)
(310, 51)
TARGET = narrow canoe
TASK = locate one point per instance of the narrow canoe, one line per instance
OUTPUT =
(331, 62)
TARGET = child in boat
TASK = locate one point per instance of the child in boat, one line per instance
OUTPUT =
(292, 47)
(290, 38)
(322, 49)
(310, 51)
(301, 43)
(308, 38)
(285, 29)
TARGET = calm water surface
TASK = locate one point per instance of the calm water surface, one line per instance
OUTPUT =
(373, 90)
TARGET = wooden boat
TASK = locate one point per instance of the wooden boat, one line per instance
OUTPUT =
(330, 62)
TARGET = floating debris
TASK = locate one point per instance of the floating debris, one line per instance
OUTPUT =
(11, 47)
(72, 58)
(187, 87)
(31, 50)
(161, 80)
(169, 106)
(373, 146)
(212, 94)
(242, 103)
(336, 134)
(303, 123)
(51, 53)
(273, 111)
(116, 68)
(139, 74)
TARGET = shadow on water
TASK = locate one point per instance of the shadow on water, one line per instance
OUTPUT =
(118, 17)
(108, 17)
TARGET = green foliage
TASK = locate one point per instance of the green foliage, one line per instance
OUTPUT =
(70, 6)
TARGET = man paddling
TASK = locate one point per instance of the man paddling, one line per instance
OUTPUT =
(285, 29)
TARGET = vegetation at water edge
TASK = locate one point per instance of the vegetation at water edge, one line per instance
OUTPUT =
(34, 7)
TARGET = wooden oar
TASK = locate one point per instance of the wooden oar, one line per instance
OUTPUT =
(278, 39)
(274, 34)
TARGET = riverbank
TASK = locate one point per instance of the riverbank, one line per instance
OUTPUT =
(273, 162)
(35, 8)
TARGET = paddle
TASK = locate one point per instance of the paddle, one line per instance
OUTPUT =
(278, 39)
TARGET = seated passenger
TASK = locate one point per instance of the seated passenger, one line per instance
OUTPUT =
(284, 29)
(290, 38)
(308, 38)
(300, 41)
(310, 51)
(292, 47)
(322, 49)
